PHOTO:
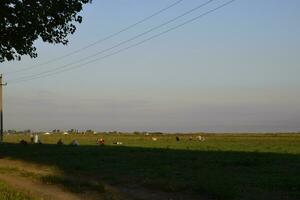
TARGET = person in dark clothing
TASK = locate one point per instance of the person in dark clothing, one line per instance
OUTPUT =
(60, 142)
(23, 142)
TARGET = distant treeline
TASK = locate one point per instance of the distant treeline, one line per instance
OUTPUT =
(76, 131)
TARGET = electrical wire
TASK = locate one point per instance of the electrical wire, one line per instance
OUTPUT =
(132, 46)
(98, 41)
(121, 43)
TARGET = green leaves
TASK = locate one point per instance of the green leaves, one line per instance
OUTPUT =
(24, 21)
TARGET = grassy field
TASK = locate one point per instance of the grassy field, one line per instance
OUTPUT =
(224, 166)
(6, 193)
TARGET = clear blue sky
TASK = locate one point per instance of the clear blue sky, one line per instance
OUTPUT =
(234, 70)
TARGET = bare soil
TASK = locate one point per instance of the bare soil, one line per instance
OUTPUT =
(40, 190)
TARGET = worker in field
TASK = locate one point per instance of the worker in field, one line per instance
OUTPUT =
(74, 143)
(60, 142)
(31, 138)
(177, 139)
(201, 138)
(36, 139)
(23, 142)
(100, 141)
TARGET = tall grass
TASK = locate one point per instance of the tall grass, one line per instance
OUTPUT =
(7, 193)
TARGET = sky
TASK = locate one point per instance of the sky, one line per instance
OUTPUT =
(235, 70)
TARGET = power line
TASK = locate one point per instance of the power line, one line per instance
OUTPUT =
(134, 45)
(129, 47)
(121, 43)
(98, 41)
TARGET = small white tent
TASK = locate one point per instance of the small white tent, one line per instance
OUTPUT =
(47, 133)
(65, 133)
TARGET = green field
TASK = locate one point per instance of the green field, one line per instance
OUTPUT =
(224, 166)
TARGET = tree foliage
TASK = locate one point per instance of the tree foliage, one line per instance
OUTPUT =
(24, 21)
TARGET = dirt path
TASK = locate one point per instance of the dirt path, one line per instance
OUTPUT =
(43, 191)
(37, 190)
(34, 188)
(28, 167)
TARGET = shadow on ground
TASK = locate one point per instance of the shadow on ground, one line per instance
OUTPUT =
(209, 174)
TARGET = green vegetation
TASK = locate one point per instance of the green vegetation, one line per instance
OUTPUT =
(73, 185)
(271, 143)
(6, 193)
(224, 166)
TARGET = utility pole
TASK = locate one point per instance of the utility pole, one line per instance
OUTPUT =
(1, 109)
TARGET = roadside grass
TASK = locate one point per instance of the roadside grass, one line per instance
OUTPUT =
(221, 167)
(74, 185)
(7, 193)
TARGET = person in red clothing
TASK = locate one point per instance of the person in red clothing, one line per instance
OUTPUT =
(100, 141)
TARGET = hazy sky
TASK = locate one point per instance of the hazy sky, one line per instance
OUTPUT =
(234, 70)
